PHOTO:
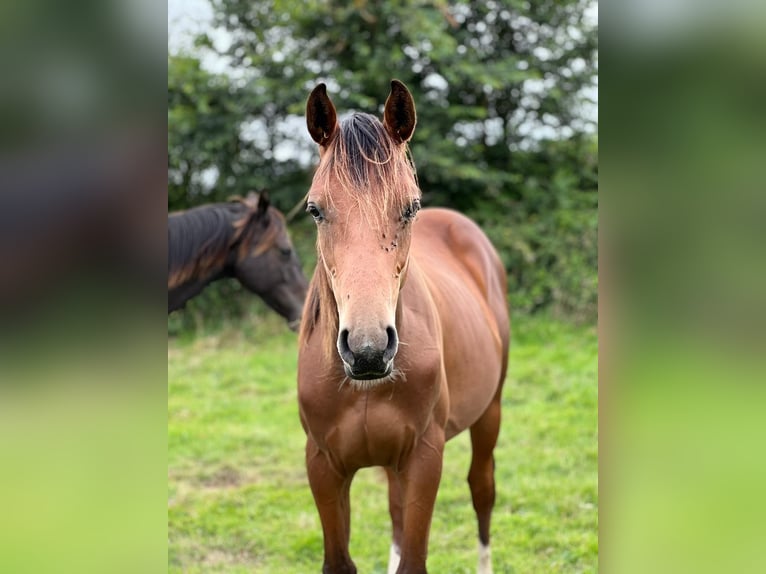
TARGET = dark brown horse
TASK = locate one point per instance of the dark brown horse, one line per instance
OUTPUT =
(244, 238)
(405, 336)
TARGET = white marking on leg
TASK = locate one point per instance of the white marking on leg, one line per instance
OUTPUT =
(394, 555)
(485, 559)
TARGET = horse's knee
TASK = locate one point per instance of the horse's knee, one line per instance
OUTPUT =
(483, 495)
(481, 476)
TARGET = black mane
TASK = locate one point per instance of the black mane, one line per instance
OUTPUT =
(202, 232)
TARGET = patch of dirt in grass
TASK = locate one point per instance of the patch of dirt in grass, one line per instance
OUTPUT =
(224, 477)
(223, 557)
(188, 481)
(228, 476)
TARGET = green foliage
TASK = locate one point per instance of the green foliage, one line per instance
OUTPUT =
(488, 78)
(239, 500)
(548, 235)
(203, 129)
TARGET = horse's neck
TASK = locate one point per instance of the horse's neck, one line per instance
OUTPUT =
(215, 273)
(321, 311)
(179, 295)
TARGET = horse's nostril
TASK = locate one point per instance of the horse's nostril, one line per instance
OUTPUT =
(343, 348)
(343, 340)
(393, 344)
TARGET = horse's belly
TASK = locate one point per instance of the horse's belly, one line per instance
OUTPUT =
(464, 277)
(473, 365)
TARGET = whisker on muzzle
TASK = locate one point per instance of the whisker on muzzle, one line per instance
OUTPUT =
(345, 380)
(395, 376)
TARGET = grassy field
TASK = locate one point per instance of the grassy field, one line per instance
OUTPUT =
(239, 501)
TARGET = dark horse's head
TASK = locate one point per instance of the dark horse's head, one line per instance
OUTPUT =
(245, 238)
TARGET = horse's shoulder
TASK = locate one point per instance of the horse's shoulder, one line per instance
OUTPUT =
(454, 247)
(454, 234)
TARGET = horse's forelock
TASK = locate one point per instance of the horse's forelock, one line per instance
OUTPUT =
(365, 162)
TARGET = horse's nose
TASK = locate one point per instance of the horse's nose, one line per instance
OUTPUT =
(365, 356)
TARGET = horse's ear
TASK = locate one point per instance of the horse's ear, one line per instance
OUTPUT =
(263, 202)
(321, 118)
(399, 114)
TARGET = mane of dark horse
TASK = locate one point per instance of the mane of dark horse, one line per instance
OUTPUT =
(200, 240)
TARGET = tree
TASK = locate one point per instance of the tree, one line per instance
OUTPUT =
(203, 132)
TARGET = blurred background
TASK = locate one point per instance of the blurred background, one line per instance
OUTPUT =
(82, 249)
(682, 287)
(506, 96)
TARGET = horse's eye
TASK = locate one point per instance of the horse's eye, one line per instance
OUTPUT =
(315, 212)
(411, 210)
(286, 252)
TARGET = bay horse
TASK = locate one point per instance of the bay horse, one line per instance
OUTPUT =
(404, 339)
(245, 238)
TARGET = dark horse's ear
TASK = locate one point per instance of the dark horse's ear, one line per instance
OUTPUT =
(399, 114)
(321, 118)
(263, 202)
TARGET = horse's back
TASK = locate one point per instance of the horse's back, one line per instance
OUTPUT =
(467, 283)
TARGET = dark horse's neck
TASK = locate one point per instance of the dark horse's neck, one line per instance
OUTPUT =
(178, 296)
(200, 250)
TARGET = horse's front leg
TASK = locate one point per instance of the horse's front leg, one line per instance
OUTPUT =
(420, 478)
(331, 496)
(397, 513)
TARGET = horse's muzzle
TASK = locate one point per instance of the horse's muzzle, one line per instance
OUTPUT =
(368, 362)
(368, 375)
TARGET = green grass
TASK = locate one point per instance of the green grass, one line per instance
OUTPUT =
(239, 501)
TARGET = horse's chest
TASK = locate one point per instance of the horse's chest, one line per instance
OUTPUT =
(372, 434)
